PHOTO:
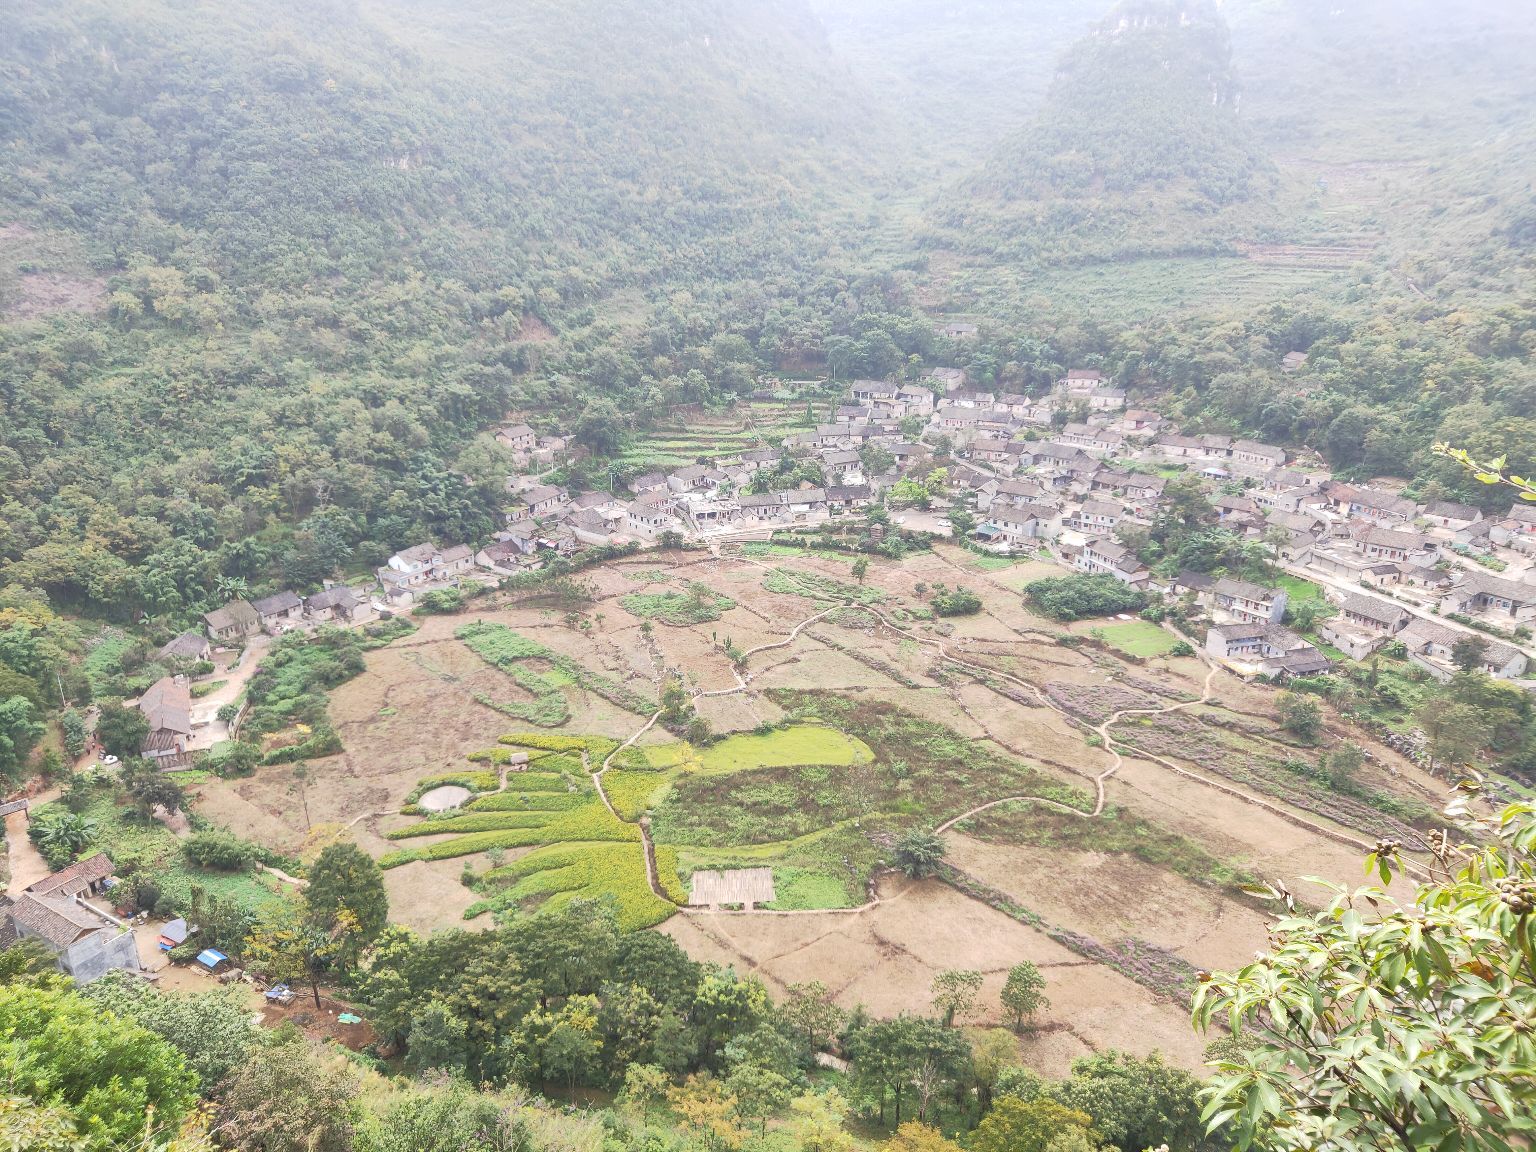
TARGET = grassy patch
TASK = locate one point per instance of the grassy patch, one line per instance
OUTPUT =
(1138, 638)
(505, 649)
(696, 606)
(814, 586)
(920, 773)
(1298, 590)
(1117, 831)
(634, 793)
(802, 888)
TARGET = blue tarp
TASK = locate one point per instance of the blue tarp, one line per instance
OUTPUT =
(211, 958)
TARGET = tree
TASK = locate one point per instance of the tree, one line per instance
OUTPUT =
(20, 730)
(285, 944)
(212, 1030)
(566, 1043)
(705, 1108)
(645, 1086)
(1344, 764)
(1137, 1103)
(286, 1098)
(1378, 1024)
(72, 724)
(61, 836)
(759, 1093)
(122, 731)
(444, 1117)
(344, 878)
(1078, 597)
(861, 568)
(110, 1074)
(24, 959)
(817, 1124)
(1301, 716)
(810, 1011)
(917, 1137)
(876, 459)
(919, 852)
(1016, 1126)
(954, 993)
(993, 1051)
(151, 789)
(1024, 992)
(1467, 652)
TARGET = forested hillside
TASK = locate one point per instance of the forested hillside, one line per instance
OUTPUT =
(269, 269)
(274, 263)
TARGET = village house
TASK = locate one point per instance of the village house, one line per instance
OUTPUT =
(752, 460)
(1517, 529)
(1248, 602)
(870, 391)
(502, 556)
(709, 513)
(1175, 446)
(277, 612)
(187, 646)
(1264, 649)
(1141, 420)
(1252, 454)
(1008, 527)
(167, 704)
(1092, 441)
(915, 400)
(340, 605)
(1430, 645)
(1009, 494)
(518, 437)
(852, 414)
(845, 497)
(765, 506)
(1363, 625)
(234, 621)
(1098, 516)
(1080, 381)
(1293, 361)
(1481, 594)
(1445, 514)
(1235, 509)
(1106, 399)
(843, 464)
(946, 379)
(1391, 544)
(649, 518)
(1107, 558)
(960, 331)
(648, 482)
(590, 527)
(955, 419)
(1370, 504)
(86, 941)
(971, 398)
(536, 502)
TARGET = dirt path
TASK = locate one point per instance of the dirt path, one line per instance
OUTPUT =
(26, 864)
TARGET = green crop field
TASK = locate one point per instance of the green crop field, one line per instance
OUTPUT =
(1138, 638)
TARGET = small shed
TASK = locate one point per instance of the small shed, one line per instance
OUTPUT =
(211, 958)
(175, 932)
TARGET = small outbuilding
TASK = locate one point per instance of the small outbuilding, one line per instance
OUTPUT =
(211, 958)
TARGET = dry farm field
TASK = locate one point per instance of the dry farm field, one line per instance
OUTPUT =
(1102, 802)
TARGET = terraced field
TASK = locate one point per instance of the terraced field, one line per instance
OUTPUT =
(850, 720)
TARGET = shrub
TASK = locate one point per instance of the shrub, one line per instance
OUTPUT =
(1079, 596)
(956, 602)
(219, 851)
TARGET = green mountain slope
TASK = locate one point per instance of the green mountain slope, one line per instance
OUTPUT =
(1138, 148)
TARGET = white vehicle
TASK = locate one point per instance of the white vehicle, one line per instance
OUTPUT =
(108, 761)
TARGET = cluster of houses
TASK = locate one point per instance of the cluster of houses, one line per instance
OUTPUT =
(68, 913)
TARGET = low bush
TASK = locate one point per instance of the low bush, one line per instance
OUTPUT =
(1078, 597)
(218, 851)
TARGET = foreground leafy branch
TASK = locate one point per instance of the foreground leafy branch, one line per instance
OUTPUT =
(1379, 1025)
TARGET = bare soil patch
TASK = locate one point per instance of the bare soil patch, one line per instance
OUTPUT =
(886, 958)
